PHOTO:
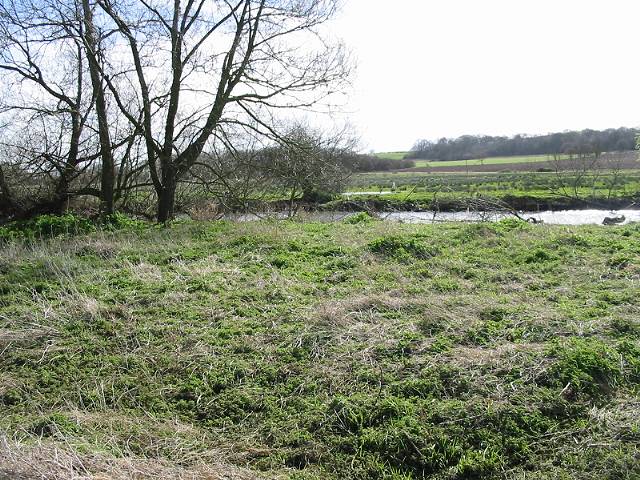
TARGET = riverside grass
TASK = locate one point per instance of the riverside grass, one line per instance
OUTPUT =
(363, 349)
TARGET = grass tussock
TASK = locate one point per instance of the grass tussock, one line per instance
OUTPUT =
(363, 350)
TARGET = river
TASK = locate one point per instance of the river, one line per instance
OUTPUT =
(560, 217)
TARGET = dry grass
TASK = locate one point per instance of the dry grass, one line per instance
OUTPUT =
(476, 357)
(39, 459)
(146, 272)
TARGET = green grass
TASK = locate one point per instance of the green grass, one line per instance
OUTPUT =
(391, 155)
(489, 161)
(473, 162)
(363, 350)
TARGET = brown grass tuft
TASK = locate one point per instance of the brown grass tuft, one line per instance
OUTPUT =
(48, 461)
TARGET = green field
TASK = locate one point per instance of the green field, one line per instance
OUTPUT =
(361, 350)
(391, 155)
(489, 161)
(611, 181)
(477, 161)
(536, 189)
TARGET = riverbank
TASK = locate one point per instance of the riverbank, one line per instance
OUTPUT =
(359, 349)
(404, 202)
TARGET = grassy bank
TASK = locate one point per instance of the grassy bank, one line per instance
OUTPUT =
(362, 350)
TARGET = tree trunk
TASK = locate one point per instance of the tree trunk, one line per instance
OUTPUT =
(106, 188)
(166, 199)
(166, 202)
(107, 177)
(60, 200)
(5, 194)
(8, 207)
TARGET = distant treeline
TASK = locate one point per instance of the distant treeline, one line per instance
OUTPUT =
(470, 146)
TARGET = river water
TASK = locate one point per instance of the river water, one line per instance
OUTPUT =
(560, 217)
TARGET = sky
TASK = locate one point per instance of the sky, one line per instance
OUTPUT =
(435, 68)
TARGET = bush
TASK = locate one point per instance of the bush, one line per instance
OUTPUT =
(625, 327)
(53, 424)
(445, 285)
(540, 255)
(371, 163)
(479, 463)
(509, 224)
(402, 247)
(360, 217)
(318, 196)
(119, 221)
(47, 226)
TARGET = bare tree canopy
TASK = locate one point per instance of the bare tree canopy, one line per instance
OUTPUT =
(309, 164)
(116, 94)
(43, 65)
(202, 67)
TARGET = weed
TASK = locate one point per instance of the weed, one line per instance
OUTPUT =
(540, 255)
(54, 424)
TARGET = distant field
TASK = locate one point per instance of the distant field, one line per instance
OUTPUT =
(521, 162)
(608, 161)
(604, 187)
(508, 183)
(477, 161)
(391, 155)
(488, 161)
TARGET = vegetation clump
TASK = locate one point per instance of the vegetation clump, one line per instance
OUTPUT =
(360, 217)
(47, 226)
(402, 247)
(68, 224)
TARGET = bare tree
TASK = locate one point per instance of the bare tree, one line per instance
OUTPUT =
(92, 50)
(198, 66)
(614, 164)
(579, 171)
(46, 49)
(309, 164)
(6, 197)
(51, 103)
